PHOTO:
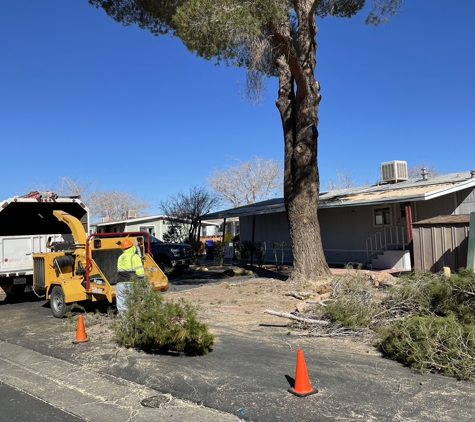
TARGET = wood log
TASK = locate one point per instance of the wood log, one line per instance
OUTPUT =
(315, 302)
(296, 318)
(300, 296)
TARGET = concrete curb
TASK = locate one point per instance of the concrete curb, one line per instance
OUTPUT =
(93, 396)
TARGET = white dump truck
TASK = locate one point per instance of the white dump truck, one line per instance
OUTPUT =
(28, 226)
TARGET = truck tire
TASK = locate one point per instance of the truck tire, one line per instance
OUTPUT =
(57, 303)
(163, 262)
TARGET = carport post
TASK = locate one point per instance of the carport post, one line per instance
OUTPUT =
(471, 243)
(410, 237)
(224, 228)
(252, 237)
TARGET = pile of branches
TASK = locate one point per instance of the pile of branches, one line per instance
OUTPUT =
(426, 321)
(152, 323)
(346, 307)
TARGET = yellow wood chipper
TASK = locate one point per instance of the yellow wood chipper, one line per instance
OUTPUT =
(86, 269)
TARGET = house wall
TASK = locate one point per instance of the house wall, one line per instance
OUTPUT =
(466, 199)
(462, 202)
(440, 245)
(344, 230)
(444, 205)
(269, 228)
(155, 227)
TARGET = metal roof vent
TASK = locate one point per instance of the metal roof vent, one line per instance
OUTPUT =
(424, 173)
(394, 171)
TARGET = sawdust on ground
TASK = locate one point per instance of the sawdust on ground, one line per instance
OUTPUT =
(239, 303)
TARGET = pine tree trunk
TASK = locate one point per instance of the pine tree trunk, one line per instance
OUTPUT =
(297, 102)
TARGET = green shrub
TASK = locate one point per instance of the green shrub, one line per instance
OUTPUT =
(219, 251)
(228, 237)
(260, 253)
(275, 247)
(198, 249)
(152, 322)
(245, 250)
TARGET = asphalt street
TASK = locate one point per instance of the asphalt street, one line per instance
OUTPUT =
(18, 406)
(246, 376)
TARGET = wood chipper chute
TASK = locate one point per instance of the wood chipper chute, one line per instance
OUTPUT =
(86, 269)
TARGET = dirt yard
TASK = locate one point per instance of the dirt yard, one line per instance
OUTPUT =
(240, 302)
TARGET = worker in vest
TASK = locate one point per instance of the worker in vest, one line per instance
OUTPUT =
(128, 264)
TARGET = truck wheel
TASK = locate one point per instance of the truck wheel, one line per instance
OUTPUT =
(178, 270)
(57, 303)
(163, 263)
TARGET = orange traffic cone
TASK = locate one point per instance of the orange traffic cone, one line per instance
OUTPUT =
(302, 387)
(81, 336)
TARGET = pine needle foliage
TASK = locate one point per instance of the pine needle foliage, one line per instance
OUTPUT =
(433, 294)
(432, 344)
(435, 331)
(353, 306)
(152, 322)
(425, 321)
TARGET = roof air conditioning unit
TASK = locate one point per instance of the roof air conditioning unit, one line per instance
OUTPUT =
(394, 171)
(104, 219)
(131, 213)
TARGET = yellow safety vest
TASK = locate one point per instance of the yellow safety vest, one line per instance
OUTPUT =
(128, 264)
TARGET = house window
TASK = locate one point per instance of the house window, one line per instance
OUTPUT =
(382, 216)
(403, 210)
(148, 229)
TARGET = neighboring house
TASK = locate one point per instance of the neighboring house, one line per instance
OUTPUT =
(209, 228)
(156, 225)
(371, 225)
(214, 228)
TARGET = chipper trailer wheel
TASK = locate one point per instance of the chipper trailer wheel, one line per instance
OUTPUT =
(57, 303)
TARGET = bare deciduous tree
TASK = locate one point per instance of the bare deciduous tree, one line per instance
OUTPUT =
(185, 211)
(113, 204)
(344, 180)
(247, 182)
(416, 171)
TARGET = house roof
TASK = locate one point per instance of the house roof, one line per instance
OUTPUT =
(414, 189)
(446, 219)
(132, 220)
(137, 220)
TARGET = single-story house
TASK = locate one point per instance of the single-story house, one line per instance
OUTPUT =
(371, 225)
(156, 225)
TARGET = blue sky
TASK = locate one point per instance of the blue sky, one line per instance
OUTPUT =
(83, 97)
